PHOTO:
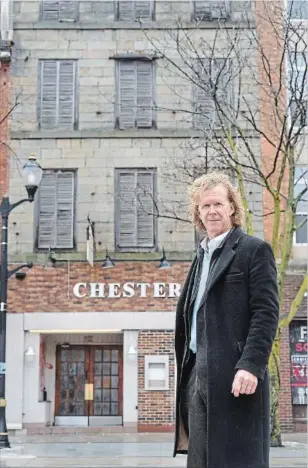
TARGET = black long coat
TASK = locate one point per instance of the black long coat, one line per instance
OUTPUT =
(240, 307)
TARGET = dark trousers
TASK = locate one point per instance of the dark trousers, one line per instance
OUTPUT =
(194, 416)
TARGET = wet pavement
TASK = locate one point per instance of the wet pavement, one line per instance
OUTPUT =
(122, 450)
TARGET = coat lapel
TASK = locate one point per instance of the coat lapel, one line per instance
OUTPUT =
(226, 255)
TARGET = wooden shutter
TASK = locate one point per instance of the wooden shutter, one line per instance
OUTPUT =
(133, 10)
(127, 83)
(222, 80)
(67, 80)
(220, 9)
(212, 9)
(67, 10)
(49, 94)
(47, 212)
(145, 209)
(202, 10)
(57, 103)
(50, 10)
(65, 210)
(204, 105)
(126, 212)
(126, 10)
(143, 9)
(144, 94)
(59, 10)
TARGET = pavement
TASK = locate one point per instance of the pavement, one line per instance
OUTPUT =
(122, 450)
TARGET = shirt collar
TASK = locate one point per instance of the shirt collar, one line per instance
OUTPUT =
(212, 244)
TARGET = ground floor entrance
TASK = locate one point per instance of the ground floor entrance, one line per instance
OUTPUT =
(89, 385)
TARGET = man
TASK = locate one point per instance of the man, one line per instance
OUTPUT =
(226, 321)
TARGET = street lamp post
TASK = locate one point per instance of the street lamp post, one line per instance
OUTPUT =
(32, 176)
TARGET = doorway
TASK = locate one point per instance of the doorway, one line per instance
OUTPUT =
(89, 385)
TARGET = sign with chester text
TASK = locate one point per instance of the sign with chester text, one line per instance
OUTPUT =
(118, 290)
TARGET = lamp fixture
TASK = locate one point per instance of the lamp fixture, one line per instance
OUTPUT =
(164, 262)
(108, 263)
(33, 174)
(131, 351)
(29, 354)
(20, 275)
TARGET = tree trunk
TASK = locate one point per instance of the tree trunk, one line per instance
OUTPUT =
(274, 368)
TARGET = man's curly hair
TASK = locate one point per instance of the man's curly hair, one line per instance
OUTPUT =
(209, 181)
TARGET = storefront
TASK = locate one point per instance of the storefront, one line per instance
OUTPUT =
(85, 348)
(88, 347)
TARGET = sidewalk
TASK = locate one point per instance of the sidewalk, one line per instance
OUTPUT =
(122, 450)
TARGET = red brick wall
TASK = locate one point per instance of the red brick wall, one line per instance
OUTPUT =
(4, 138)
(51, 289)
(292, 285)
(271, 48)
(156, 408)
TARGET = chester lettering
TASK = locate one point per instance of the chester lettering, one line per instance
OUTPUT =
(118, 290)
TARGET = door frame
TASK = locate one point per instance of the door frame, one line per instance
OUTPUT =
(85, 420)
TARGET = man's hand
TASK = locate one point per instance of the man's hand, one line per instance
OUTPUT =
(244, 383)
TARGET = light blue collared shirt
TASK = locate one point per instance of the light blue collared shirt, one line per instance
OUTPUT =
(209, 246)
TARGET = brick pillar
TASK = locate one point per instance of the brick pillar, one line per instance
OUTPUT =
(271, 48)
(156, 408)
(285, 397)
(4, 127)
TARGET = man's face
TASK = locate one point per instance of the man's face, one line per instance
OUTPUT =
(215, 211)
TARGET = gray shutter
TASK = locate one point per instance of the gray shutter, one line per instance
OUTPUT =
(67, 10)
(212, 9)
(126, 212)
(143, 10)
(67, 80)
(50, 10)
(47, 202)
(222, 77)
(65, 210)
(144, 94)
(204, 116)
(145, 206)
(126, 10)
(202, 10)
(48, 94)
(126, 94)
(219, 9)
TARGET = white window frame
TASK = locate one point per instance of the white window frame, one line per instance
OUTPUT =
(156, 359)
(300, 20)
(289, 84)
(302, 213)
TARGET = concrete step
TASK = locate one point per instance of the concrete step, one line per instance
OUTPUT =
(79, 430)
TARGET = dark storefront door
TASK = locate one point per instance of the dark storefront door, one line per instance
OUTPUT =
(89, 386)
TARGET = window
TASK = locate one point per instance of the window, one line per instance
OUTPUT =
(301, 184)
(62, 10)
(134, 10)
(298, 89)
(57, 94)
(56, 209)
(156, 372)
(298, 9)
(135, 209)
(211, 10)
(213, 91)
(135, 89)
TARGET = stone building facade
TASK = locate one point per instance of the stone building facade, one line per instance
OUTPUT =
(94, 346)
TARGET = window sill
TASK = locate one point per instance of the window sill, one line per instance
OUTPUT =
(113, 25)
(141, 133)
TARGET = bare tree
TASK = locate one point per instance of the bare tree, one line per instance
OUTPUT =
(242, 91)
